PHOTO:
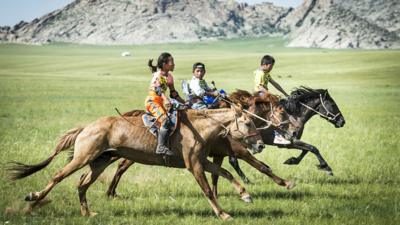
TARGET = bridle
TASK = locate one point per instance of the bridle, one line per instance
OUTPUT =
(329, 115)
(227, 130)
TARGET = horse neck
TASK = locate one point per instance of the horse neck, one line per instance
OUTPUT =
(305, 113)
(211, 122)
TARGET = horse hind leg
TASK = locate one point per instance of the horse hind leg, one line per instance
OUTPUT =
(96, 168)
(215, 169)
(122, 167)
(70, 168)
(86, 150)
(235, 164)
(214, 177)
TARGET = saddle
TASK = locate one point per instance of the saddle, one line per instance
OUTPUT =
(153, 125)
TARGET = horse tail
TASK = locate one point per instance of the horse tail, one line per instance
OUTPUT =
(19, 170)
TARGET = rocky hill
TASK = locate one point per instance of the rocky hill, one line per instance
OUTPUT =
(316, 23)
(344, 24)
(147, 21)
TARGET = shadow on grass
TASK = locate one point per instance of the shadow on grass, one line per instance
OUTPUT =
(206, 212)
(288, 195)
(339, 181)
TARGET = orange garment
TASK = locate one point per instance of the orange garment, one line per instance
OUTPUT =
(155, 105)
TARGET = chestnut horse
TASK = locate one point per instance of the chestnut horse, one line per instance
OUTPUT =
(98, 145)
(266, 106)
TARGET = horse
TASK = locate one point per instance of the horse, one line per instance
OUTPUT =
(302, 104)
(102, 142)
(266, 106)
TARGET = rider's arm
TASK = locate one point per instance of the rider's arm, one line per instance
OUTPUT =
(173, 93)
(278, 87)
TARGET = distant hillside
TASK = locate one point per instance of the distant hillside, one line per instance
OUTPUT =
(148, 21)
(344, 24)
(316, 23)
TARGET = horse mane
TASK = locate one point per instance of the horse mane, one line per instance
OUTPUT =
(245, 98)
(241, 97)
(267, 97)
(303, 92)
(300, 94)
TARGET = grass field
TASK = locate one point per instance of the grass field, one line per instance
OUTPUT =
(46, 90)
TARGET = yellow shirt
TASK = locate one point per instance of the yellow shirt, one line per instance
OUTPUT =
(261, 79)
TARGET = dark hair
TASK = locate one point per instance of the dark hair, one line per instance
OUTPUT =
(267, 59)
(162, 59)
(199, 65)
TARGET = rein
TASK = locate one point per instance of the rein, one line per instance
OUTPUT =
(227, 130)
(328, 113)
(269, 123)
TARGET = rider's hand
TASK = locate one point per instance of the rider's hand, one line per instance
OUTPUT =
(168, 105)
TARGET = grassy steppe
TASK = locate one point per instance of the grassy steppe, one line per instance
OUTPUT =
(46, 90)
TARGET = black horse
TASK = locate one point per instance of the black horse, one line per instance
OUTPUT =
(302, 104)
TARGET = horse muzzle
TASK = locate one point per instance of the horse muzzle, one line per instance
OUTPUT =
(340, 122)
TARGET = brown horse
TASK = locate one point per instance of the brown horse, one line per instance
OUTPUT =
(101, 142)
(265, 106)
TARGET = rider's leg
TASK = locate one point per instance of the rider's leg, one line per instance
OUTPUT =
(163, 136)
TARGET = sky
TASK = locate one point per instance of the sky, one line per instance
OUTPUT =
(13, 11)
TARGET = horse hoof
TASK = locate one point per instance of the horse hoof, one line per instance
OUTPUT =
(225, 216)
(325, 168)
(290, 185)
(291, 161)
(247, 199)
(113, 196)
(33, 196)
(246, 181)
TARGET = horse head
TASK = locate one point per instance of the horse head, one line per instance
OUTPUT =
(242, 128)
(264, 105)
(314, 101)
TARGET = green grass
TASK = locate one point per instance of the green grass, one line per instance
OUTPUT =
(46, 90)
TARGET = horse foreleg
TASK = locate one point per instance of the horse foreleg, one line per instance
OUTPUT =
(215, 169)
(323, 165)
(235, 164)
(214, 177)
(122, 167)
(195, 167)
(265, 169)
(96, 168)
(296, 160)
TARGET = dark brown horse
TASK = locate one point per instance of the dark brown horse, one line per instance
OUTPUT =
(266, 106)
(302, 104)
(101, 142)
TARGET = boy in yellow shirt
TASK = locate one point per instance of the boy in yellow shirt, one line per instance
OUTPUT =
(262, 76)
